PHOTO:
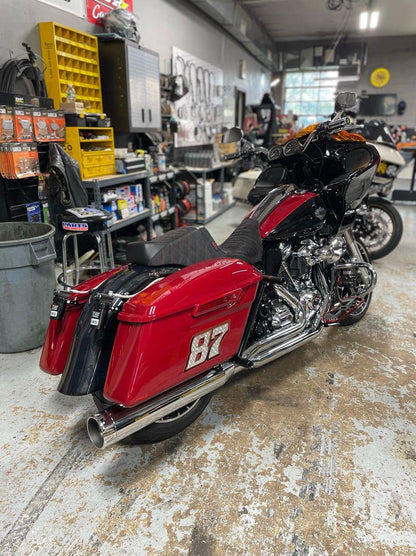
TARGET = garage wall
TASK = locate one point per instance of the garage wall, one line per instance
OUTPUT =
(398, 55)
(162, 24)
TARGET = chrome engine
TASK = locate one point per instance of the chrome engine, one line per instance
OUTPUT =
(304, 299)
(325, 251)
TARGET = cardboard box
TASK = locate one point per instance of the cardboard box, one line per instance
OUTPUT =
(123, 192)
(224, 148)
(137, 191)
(131, 201)
(123, 208)
(204, 192)
(76, 107)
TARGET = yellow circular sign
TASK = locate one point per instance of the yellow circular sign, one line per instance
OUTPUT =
(380, 77)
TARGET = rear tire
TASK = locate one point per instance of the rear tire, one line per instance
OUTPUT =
(172, 424)
(381, 228)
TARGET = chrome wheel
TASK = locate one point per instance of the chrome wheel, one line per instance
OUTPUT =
(379, 228)
(179, 413)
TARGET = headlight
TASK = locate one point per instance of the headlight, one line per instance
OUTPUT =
(391, 170)
(381, 170)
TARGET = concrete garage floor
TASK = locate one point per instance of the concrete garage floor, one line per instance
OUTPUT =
(313, 454)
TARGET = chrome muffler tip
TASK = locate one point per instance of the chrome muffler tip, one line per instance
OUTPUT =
(101, 429)
(95, 432)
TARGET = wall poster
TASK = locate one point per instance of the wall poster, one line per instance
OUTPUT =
(76, 7)
(199, 113)
(96, 9)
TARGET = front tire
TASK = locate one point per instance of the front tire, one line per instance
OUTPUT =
(380, 229)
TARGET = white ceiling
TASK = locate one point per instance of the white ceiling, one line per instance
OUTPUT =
(287, 20)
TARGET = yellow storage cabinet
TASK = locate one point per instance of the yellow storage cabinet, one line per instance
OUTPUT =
(95, 156)
(71, 57)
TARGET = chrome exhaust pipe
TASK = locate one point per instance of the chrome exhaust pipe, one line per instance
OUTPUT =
(114, 424)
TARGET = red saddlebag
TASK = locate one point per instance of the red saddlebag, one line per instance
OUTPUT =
(179, 327)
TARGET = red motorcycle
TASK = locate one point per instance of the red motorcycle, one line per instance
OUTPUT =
(151, 341)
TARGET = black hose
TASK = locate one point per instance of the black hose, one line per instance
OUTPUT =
(14, 68)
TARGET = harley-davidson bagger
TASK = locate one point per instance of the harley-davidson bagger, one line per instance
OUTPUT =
(152, 340)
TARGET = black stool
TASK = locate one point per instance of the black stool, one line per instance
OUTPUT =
(92, 221)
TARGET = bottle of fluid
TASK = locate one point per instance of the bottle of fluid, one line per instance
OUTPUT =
(70, 93)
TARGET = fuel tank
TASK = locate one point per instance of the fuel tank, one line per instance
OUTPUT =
(286, 212)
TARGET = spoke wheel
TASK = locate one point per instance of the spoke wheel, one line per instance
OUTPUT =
(381, 228)
(172, 424)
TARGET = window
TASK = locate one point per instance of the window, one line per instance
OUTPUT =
(310, 95)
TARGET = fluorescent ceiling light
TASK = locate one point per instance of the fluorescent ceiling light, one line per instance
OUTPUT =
(369, 20)
(348, 78)
(275, 82)
(374, 19)
(363, 20)
(328, 81)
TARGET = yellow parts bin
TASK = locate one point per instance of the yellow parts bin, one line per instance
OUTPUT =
(71, 57)
(93, 147)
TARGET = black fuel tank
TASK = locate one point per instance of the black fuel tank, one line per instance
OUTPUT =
(304, 221)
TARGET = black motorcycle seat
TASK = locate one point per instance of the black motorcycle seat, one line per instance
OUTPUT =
(190, 245)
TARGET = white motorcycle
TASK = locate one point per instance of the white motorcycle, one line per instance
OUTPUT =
(379, 224)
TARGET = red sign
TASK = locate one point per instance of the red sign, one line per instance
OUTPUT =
(96, 9)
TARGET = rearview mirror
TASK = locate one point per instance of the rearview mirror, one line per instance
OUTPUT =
(232, 135)
(345, 100)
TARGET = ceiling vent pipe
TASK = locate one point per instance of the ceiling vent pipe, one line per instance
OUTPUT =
(241, 25)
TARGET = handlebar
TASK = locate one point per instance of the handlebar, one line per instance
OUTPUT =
(231, 156)
(246, 153)
(333, 126)
(322, 130)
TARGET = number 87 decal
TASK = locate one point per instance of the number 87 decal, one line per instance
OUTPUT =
(206, 345)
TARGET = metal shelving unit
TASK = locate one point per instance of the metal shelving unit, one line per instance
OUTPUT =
(163, 214)
(203, 172)
(118, 224)
(97, 184)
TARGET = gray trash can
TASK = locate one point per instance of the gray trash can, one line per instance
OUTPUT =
(27, 281)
